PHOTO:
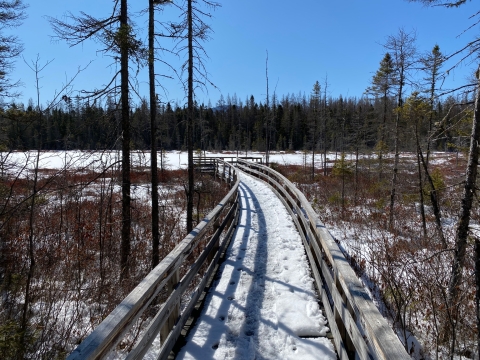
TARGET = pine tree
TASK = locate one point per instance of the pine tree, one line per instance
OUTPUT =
(431, 65)
(383, 83)
(11, 16)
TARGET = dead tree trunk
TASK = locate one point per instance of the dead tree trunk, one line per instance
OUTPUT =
(153, 132)
(126, 215)
(190, 189)
(462, 231)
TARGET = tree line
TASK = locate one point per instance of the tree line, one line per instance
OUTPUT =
(295, 123)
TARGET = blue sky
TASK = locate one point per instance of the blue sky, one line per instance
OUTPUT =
(307, 41)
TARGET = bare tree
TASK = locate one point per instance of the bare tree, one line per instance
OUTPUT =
(153, 131)
(403, 50)
(153, 127)
(431, 65)
(191, 32)
(267, 116)
(324, 115)
(468, 51)
(462, 230)
(315, 107)
(116, 35)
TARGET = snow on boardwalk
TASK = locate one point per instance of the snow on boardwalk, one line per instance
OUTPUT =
(264, 305)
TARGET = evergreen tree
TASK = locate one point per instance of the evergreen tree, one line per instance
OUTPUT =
(431, 65)
(383, 83)
(11, 16)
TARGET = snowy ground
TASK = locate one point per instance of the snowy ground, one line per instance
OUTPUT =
(264, 305)
(265, 310)
(18, 161)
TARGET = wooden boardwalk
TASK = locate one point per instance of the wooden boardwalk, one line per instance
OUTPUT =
(264, 304)
(358, 330)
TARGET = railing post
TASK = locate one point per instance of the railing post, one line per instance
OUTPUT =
(172, 318)
(347, 341)
(216, 246)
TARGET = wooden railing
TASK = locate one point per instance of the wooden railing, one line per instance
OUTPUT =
(209, 240)
(359, 330)
(209, 163)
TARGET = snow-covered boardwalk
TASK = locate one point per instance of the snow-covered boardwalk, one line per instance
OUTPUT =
(264, 305)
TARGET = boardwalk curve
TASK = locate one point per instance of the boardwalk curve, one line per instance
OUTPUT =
(358, 330)
(263, 306)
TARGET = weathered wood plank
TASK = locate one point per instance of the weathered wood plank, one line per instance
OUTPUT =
(337, 338)
(351, 327)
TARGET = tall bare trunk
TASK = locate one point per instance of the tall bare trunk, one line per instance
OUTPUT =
(420, 184)
(31, 253)
(153, 132)
(325, 128)
(436, 64)
(393, 188)
(190, 120)
(267, 116)
(382, 136)
(435, 202)
(126, 215)
(461, 234)
(477, 291)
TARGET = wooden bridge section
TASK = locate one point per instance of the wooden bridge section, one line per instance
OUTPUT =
(359, 330)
